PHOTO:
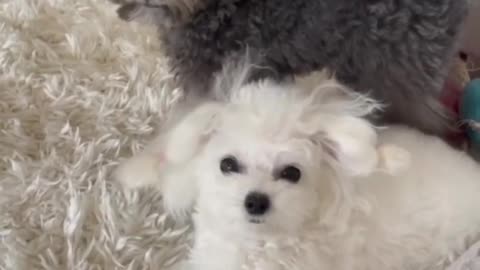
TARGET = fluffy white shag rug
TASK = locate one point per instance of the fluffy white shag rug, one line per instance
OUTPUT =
(80, 90)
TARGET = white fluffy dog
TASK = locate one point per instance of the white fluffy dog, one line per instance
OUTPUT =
(298, 180)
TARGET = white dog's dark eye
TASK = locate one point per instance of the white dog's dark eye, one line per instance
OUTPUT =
(290, 173)
(229, 165)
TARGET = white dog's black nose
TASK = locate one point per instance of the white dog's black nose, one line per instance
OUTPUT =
(257, 203)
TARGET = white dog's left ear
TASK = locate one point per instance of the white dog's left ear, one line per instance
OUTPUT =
(350, 144)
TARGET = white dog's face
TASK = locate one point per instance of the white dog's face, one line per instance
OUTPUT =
(269, 161)
(271, 184)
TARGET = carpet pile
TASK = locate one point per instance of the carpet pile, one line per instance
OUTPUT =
(79, 91)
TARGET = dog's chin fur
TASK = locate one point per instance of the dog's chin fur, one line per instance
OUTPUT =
(390, 199)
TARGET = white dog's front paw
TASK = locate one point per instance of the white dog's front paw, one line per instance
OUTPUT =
(140, 171)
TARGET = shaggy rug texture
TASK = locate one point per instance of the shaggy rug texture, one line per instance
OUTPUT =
(79, 91)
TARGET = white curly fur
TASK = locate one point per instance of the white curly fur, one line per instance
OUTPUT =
(390, 199)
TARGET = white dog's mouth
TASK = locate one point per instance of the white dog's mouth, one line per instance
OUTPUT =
(256, 220)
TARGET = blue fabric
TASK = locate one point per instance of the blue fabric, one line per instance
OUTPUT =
(470, 109)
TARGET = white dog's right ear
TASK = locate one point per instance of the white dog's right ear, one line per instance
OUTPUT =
(177, 144)
(184, 139)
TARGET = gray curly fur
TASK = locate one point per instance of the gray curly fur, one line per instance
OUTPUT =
(397, 50)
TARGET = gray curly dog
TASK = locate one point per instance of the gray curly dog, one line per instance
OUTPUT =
(399, 51)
